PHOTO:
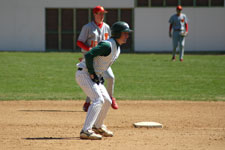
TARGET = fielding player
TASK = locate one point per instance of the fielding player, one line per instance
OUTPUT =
(89, 77)
(179, 24)
(91, 34)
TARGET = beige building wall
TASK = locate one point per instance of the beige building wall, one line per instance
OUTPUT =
(206, 29)
(22, 25)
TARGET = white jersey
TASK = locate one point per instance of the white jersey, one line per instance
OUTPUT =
(91, 34)
(102, 63)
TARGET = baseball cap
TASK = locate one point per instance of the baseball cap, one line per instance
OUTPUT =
(179, 7)
(99, 9)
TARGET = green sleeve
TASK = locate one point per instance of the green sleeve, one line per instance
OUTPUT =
(102, 49)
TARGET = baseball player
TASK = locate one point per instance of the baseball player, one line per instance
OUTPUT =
(89, 77)
(179, 24)
(91, 34)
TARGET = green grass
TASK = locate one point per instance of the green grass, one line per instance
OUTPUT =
(41, 76)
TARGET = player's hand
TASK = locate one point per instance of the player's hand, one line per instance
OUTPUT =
(94, 78)
(170, 34)
(102, 80)
(184, 34)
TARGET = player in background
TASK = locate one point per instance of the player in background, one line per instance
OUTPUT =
(90, 35)
(89, 78)
(179, 24)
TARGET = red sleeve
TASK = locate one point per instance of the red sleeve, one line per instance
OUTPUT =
(83, 46)
(170, 27)
(186, 26)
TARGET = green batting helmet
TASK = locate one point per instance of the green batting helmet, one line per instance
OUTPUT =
(119, 27)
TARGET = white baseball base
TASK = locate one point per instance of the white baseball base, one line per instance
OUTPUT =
(148, 124)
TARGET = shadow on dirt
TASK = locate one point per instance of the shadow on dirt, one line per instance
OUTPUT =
(52, 138)
(49, 111)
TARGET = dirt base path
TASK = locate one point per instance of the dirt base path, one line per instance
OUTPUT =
(55, 125)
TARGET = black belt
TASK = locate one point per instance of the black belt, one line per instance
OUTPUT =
(80, 69)
(178, 30)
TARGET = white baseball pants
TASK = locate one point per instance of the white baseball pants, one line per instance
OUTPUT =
(99, 96)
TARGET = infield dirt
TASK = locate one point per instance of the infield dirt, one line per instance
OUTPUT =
(55, 125)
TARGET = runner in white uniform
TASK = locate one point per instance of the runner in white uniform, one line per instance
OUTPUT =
(91, 34)
(89, 78)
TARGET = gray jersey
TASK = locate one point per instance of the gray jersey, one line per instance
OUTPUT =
(178, 22)
(91, 34)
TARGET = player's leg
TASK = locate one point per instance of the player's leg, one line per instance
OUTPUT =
(93, 91)
(86, 104)
(175, 44)
(110, 78)
(99, 127)
(181, 46)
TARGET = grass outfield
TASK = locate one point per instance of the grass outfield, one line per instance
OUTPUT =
(41, 76)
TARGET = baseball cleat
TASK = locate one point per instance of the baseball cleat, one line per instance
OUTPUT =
(114, 104)
(174, 58)
(181, 59)
(86, 106)
(103, 131)
(89, 134)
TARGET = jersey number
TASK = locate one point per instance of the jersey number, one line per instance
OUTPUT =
(106, 36)
(94, 43)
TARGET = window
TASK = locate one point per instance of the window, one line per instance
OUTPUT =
(142, 3)
(157, 3)
(187, 3)
(67, 28)
(112, 16)
(52, 28)
(217, 2)
(81, 19)
(202, 2)
(126, 15)
(63, 26)
(171, 2)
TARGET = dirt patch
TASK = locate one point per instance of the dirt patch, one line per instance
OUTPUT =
(55, 125)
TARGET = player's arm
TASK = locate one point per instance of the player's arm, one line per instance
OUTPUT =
(83, 38)
(186, 27)
(102, 49)
(171, 26)
(170, 30)
(83, 46)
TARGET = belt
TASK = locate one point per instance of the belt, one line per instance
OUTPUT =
(178, 30)
(80, 69)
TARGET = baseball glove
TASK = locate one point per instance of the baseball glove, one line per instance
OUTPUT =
(102, 80)
(184, 34)
(96, 79)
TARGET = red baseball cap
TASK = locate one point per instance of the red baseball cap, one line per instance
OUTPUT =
(179, 7)
(99, 9)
